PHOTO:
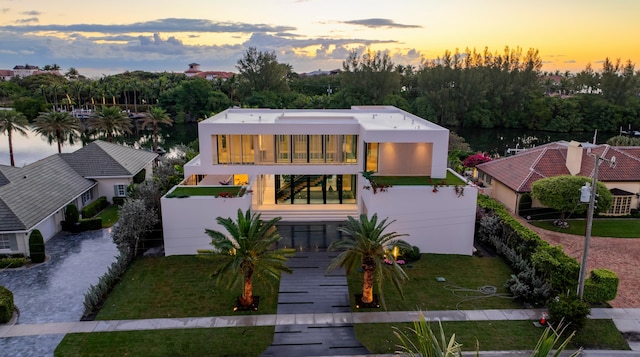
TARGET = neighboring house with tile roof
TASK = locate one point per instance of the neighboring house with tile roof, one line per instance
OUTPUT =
(509, 179)
(35, 196)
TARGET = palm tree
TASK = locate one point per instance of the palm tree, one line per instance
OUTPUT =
(111, 121)
(246, 251)
(366, 245)
(11, 121)
(154, 117)
(58, 126)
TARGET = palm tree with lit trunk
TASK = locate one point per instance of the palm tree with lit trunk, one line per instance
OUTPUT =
(246, 251)
(110, 121)
(11, 121)
(58, 126)
(154, 117)
(367, 245)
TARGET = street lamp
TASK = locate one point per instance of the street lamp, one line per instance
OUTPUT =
(588, 194)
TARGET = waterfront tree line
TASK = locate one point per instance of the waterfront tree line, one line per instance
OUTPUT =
(478, 89)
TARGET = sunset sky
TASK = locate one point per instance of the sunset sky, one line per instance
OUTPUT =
(107, 37)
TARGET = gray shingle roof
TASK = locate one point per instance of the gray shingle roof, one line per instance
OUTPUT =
(38, 190)
(101, 158)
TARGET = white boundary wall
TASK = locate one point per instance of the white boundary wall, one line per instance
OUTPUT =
(185, 219)
(437, 222)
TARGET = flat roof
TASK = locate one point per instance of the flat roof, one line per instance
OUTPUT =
(369, 117)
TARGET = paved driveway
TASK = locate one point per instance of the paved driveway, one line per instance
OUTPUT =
(54, 291)
(620, 255)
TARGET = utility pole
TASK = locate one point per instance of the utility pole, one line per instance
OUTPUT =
(592, 202)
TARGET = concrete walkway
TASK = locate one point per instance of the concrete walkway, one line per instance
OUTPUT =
(625, 319)
(317, 301)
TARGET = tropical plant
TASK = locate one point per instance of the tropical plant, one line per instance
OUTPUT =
(110, 121)
(59, 126)
(154, 117)
(367, 245)
(422, 341)
(11, 121)
(245, 250)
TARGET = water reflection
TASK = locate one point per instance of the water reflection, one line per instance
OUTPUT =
(34, 147)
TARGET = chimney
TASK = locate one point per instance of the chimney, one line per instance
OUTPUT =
(574, 157)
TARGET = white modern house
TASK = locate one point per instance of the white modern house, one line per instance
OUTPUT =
(307, 165)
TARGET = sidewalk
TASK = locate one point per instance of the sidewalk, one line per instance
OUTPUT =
(625, 319)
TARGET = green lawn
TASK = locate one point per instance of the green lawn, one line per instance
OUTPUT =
(185, 191)
(602, 227)
(423, 292)
(450, 180)
(176, 286)
(233, 341)
(494, 335)
(109, 216)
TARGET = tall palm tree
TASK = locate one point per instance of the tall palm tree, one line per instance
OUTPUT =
(367, 245)
(245, 250)
(59, 126)
(11, 121)
(154, 117)
(110, 121)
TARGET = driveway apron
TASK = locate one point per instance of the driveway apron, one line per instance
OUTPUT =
(54, 290)
(312, 290)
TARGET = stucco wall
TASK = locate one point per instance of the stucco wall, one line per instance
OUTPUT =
(504, 195)
(185, 219)
(437, 222)
(105, 186)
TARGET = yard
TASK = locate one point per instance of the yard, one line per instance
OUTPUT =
(180, 286)
(601, 227)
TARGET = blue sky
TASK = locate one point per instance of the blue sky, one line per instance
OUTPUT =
(110, 37)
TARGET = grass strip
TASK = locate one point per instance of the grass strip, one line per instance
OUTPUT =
(232, 341)
(616, 228)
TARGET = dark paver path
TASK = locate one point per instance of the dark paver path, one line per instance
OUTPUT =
(310, 289)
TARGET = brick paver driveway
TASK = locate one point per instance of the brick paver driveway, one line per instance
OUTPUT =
(621, 255)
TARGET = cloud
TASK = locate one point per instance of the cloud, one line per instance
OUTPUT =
(569, 61)
(31, 13)
(379, 23)
(6, 10)
(162, 25)
(27, 21)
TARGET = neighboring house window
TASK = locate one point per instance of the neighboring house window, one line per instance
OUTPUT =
(120, 190)
(86, 197)
(5, 242)
(621, 206)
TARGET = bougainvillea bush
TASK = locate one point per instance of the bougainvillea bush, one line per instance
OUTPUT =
(476, 159)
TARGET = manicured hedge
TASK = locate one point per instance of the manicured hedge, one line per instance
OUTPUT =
(119, 201)
(6, 305)
(82, 225)
(12, 262)
(542, 270)
(94, 207)
(601, 286)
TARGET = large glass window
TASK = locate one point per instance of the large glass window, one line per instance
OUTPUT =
(282, 148)
(315, 189)
(371, 159)
(350, 148)
(299, 148)
(266, 146)
(315, 149)
(235, 149)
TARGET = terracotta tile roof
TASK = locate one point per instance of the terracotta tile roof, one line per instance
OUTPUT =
(518, 172)
(215, 74)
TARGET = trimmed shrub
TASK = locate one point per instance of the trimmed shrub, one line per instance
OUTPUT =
(89, 224)
(6, 305)
(71, 214)
(36, 247)
(601, 286)
(94, 207)
(119, 201)
(12, 262)
(569, 309)
(97, 294)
